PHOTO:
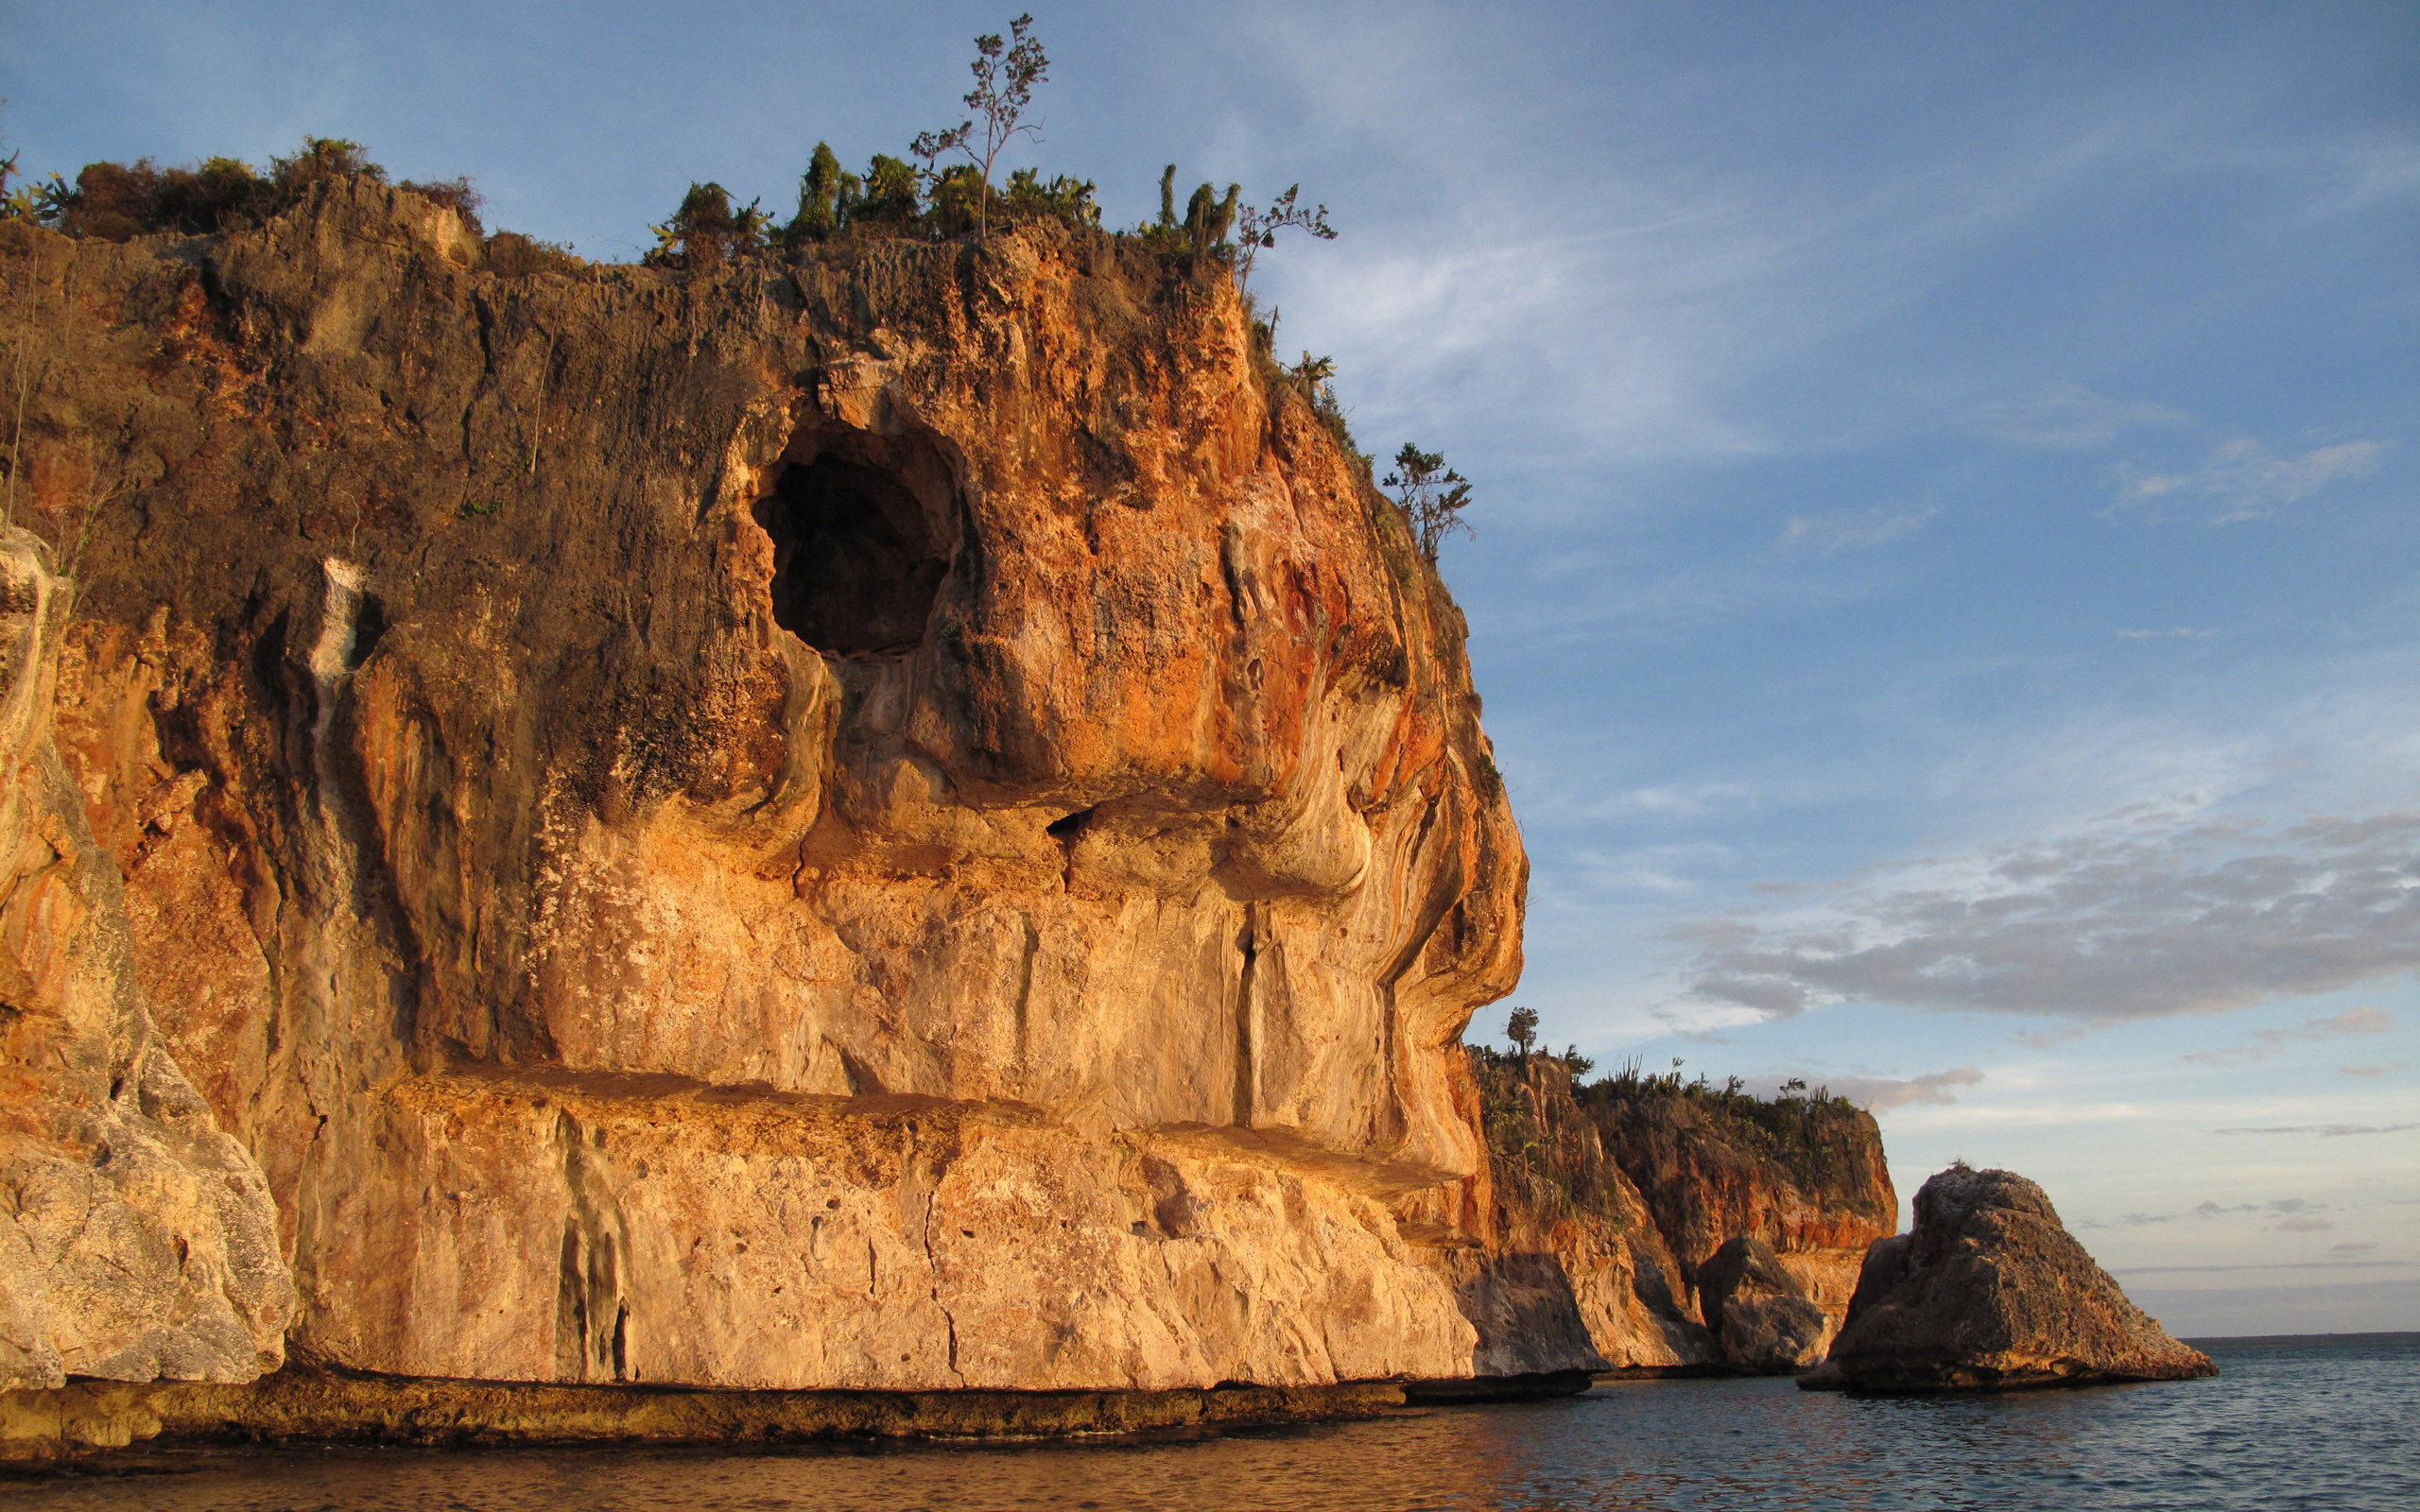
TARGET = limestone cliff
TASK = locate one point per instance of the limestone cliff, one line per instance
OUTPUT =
(1803, 1175)
(902, 820)
(1680, 1228)
(136, 1238)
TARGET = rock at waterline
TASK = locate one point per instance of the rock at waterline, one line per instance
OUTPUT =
(1762, 1318)
(1990, 1291)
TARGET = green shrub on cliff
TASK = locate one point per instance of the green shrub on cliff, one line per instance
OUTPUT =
(890, 200)
(1431, 495)
(706, 231)
(1809, 1132)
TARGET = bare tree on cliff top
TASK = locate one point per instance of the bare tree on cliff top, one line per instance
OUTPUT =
(1257, 228)
(1004, 75)
(1432, 496)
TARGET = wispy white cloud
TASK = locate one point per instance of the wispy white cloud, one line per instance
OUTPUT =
(1826, 534)
(2148, 915)
(2383, 1067)
(2074, 419)
(2268, 1044)
(1668, 869)
(1644, 317)
(2331, 1131)
(1686, 800)
(1877, 1093)
(2242, 481)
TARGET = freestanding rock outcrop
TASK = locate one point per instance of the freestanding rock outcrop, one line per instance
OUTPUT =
(899, 819)
(1990, 1291)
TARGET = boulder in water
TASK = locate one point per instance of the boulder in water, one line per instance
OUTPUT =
(1989, 1292)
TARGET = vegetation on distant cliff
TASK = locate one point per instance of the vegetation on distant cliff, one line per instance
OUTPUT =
(1816, 1142)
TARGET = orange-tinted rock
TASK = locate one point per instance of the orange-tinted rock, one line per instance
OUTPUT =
(905, 821)
(137, 1241)
(1600, 1210)
(1809, 1181)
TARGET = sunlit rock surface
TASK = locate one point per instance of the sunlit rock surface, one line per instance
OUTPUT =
(137, 1241)
(1676, 1228)
(903, 822)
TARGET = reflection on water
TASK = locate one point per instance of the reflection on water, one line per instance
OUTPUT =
(2317, 1423)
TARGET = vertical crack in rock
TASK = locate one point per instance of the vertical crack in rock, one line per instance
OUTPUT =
(591, 1313)
(1025, 988)
(1247, 1006)
(914, 1185)
(331, 654)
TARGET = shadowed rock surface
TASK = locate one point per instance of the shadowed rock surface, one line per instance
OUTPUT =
(1990, 1291)
(1806, 1175)
(1756, 1310)
(901, 821)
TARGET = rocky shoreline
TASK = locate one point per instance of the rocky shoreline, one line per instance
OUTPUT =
(298, 1406)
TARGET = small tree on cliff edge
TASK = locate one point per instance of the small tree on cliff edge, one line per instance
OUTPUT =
(1521, 1028)
(1005, 74)
(1432, 496)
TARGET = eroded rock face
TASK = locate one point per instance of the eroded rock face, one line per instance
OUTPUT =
(137, 1241)
(908, 821)
(1990, 1291)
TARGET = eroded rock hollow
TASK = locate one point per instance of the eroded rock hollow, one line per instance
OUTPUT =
(908, 821)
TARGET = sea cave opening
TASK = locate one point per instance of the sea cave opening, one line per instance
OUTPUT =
(863, 531)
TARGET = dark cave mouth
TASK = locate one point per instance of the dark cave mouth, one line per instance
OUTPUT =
(863, 532)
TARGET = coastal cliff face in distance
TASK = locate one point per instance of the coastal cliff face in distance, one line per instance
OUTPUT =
(1684, 1227)
(1803, 1175)
(901, 821)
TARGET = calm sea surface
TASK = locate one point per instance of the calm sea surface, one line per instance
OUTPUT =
(2321, 1423)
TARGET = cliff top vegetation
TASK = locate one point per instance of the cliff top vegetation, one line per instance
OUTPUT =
(931, 198)
(1799, 1128)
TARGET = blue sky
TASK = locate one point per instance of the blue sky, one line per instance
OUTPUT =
(1946, 586)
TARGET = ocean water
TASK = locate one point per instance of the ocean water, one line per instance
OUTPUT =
(2330, 1423)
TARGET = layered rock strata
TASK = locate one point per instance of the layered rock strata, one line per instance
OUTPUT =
(1989, 1291)
(907, 822)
